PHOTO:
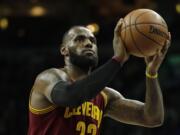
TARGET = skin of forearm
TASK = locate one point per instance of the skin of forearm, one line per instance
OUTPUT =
(154, 108)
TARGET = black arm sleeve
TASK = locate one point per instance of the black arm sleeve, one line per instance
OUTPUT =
(73, 94)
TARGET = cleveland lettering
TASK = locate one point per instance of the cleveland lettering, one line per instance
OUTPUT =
(86, 109)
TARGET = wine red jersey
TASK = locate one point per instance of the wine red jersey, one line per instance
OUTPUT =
(82, 120)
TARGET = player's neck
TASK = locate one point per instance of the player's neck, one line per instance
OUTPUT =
(75, 72)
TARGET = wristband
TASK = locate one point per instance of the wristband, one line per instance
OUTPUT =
(151, 76)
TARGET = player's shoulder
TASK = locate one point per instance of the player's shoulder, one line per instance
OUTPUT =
(48, 78)
(51, 74)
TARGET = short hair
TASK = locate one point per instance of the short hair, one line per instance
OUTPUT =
(66, 35)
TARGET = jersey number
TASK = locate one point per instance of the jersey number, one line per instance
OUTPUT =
(90, 129)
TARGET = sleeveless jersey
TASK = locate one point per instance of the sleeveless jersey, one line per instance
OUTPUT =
(82, 120)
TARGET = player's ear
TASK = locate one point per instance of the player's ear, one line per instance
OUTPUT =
(64, 51)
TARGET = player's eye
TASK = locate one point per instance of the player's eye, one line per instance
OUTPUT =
(93, 39)
(80, 38)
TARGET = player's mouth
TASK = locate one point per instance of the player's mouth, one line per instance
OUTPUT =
(88, 51)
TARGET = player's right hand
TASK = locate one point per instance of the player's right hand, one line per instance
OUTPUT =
(153, 63)
(118, 46)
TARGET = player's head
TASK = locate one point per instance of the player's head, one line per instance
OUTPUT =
(79, 47)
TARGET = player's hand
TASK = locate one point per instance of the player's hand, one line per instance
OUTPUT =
(118, 46)
(154, 62)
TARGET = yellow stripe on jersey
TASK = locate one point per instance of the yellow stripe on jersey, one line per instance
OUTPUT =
(41, 111)
(105, 97)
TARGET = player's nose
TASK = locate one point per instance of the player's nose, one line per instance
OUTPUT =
(88, 45)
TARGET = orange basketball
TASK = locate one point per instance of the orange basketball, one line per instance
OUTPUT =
(144, 32)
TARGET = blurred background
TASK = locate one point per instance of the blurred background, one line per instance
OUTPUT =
(30, 35)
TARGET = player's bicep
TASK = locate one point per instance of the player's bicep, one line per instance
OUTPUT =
(125, 110)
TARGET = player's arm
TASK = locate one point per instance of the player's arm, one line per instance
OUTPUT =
(150, 113)
(124, 110)
(60, 91)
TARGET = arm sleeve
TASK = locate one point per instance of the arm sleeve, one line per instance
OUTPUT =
(73, 94)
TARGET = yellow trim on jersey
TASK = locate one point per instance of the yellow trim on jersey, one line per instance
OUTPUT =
(105, 97)
(41, 111)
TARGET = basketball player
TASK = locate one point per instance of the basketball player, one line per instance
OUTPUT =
(72, 100)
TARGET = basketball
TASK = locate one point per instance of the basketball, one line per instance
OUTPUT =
(143, 32)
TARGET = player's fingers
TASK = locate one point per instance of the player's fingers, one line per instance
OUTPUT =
(148, 59)
(165, 48)
(120, 22)
(169, 34)
(157, 59)
(118, 25)
(168, 41)
(158, 53)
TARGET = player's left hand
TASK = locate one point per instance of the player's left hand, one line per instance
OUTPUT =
(154, 62)
(118, 46)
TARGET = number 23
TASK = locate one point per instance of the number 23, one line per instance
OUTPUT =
(81, 126)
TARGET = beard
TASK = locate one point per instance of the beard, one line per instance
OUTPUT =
(83, 61)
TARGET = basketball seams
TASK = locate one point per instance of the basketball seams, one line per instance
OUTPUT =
(165, 26)
(136, 46)
(143, 24)
(146, 35)
(141, 15)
